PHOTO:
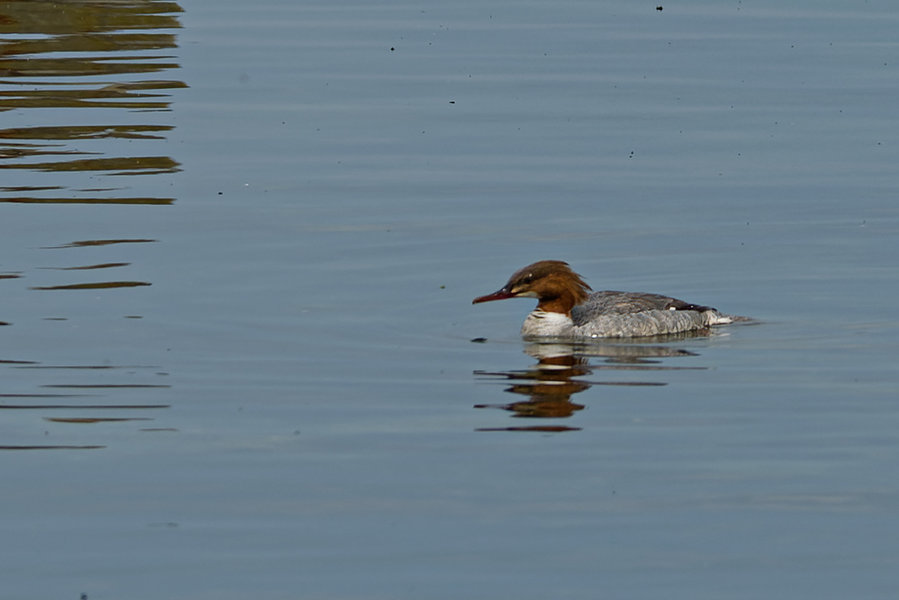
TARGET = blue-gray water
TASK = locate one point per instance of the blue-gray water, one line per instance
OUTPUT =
(264, 385)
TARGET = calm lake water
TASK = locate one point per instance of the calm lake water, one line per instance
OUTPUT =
(238, 248)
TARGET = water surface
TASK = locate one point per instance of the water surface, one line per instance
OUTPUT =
(239, 247)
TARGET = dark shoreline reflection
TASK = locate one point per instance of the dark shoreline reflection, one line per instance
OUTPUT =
(92, 285)
(86, 93)
(63, 405)
(90, 55)
(549, 385)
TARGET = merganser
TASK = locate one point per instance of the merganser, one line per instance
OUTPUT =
(567, 309)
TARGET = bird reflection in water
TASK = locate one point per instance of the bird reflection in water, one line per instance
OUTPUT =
(549, 385)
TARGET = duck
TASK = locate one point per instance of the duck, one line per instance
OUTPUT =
(567, 308)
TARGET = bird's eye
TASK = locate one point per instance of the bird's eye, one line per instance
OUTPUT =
(529, 278)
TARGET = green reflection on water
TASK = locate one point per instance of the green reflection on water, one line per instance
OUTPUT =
(59, 58)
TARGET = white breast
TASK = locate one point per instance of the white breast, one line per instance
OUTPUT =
(547, 324)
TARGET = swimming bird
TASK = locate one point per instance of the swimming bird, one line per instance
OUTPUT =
(566, 308)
